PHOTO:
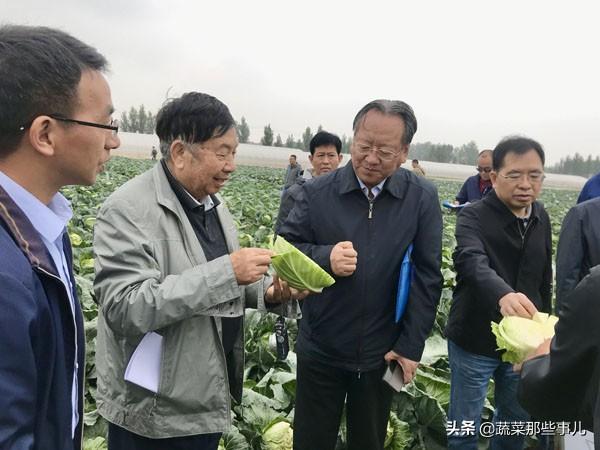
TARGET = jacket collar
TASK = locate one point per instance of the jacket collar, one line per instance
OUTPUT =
(167, 198)
(24, 234)
(188, 202)
(396, 184)
(507, 215)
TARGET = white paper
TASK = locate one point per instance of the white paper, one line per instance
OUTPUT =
(144, 365)
(394, 377)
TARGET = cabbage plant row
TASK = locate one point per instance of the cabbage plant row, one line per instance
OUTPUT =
(263, 420)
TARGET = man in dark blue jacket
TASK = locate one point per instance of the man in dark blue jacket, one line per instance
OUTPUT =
(357, 223)
(325, 157)
(477, 186)
(56, 130)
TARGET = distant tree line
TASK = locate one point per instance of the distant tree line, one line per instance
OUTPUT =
(465, 154)
(577, 165)
(445, 153)
(302, 143)
(138, 120)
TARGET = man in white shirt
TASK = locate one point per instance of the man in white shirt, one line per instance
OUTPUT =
(56, 129)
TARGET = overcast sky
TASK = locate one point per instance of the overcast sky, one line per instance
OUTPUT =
(472, 70)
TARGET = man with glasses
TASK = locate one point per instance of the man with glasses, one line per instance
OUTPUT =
(503, 263)
(357, 224)
(477, 186)
(172, 284)
(55, 130)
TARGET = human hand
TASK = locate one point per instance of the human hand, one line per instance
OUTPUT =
(517, 304)
(343, 259)
(543, 349)
(250, 264)
(409, 367)
(280, 292)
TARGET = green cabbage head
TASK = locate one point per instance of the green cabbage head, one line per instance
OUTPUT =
(519, 336)
(297, 269)
(278, 436)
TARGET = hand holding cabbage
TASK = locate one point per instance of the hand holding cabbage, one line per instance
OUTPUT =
(520, 337)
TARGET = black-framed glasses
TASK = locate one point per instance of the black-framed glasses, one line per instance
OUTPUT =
(484, 169)
(113, 126)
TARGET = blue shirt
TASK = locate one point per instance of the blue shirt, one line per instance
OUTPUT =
(50, 222)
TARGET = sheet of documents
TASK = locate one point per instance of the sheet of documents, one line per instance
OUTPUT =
(144, 365)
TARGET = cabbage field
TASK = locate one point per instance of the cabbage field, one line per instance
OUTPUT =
(419, 412)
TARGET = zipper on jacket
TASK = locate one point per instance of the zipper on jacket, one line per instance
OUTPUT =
(76, 360)
(523, 235)
(364, 294)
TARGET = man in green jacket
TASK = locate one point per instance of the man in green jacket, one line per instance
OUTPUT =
(172, 284)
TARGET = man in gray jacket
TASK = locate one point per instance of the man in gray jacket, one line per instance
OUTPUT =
(292, 173)
(172, 284)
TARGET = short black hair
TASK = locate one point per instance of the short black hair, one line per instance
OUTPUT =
(391, 108)
(194, 118)
(415, 161)
(40, 71)
(515, 144)
(293, 156)
(325, 138)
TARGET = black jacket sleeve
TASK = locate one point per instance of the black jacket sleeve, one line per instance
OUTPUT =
(298, 229)
(563, 385)
(287, 203)
(18, 372)
(471, 260)
(427, 282)
(546, 288)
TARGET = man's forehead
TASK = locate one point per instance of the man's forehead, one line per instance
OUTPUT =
(326, 148)
(93, 91)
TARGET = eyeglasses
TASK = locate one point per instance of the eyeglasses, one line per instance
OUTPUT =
(484, 169)
(533, 177)
(383, 153)
(113, 126)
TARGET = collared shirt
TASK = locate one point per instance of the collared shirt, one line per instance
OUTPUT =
(207, 227)
(375, 190)
(50, 222)
(485, 186)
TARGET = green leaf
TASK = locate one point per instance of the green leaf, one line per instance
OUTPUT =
(233, 440)
(98, 443)
(297, 269)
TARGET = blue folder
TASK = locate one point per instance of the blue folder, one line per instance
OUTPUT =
(448, 204)
(404, 281)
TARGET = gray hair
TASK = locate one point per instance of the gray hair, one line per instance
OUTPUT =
(165, 149)
(391, 108)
